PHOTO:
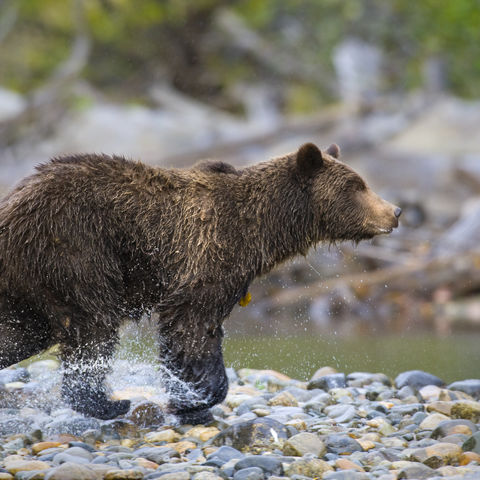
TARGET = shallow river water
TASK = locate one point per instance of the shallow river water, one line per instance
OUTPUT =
(451, 358)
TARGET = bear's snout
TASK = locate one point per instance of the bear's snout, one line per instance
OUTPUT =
(392, 214)
(381, 216)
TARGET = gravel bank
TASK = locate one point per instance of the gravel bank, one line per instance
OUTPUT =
(336, 427)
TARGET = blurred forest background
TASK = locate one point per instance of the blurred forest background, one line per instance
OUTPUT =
(395, 83)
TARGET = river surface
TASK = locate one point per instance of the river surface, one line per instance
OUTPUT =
(452, 357)
(455, 357)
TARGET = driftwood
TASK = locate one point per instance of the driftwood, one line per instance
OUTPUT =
(458, 274)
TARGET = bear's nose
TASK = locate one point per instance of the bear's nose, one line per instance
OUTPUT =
(397, 212)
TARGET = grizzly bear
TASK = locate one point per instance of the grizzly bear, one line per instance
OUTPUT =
(90, 240)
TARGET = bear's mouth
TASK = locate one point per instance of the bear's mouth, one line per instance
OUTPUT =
(386, 229)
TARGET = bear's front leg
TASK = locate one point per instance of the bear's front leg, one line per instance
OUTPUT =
(193, 370)
(86, 365)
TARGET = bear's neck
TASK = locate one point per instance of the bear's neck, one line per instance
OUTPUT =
(275, 207)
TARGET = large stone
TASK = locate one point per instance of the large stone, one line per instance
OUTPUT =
(468, 457)
(322, 371)
(226, 453)
(175, 476)
(128, 474)
(471, 386)
(147, 414)
(440, 407)
(432, 421)
(205, 476)
(416, 471)
(66, 458)
(159, 455)
(267, 463)
(40, 446)
(360, 379)
(283, 399)
(71, 471)
(472, 444)
(309, 468)
(183, 446)
(417, 379)
(342, 444)
(251, 473)
(15, 466)
(341, 413)
(346, 475)
(167, 435)
(437, 455)
(452, 427)
(202, 433)
(252, 436)
(79, 452)
(468, 410)
(346, 464)
(302, 443)
(327, 382)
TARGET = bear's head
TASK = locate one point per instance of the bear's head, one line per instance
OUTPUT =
(343, 206)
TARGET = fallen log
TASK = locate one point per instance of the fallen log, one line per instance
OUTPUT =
(459, 274)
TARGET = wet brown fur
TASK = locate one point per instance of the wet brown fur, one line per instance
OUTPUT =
(88, 240)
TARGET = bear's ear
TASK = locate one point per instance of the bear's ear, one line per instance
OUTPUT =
(309, 158)
(334, 150)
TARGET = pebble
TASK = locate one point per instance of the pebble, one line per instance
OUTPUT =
(168, 435)
(123, 475)
(433, 421)
(415, 470)
(202, 433)
(41, 446)
(340, 444)
(472, 444)
(340, 413)
(19, 465)
(71, 471)
(470, 387)
(469, 410)
(251, 473)
(360, 426)
(417, 379)
(452, 427)
(303, 443)
(436, 455)
(310, 468)
(327, 382)
(284, 399)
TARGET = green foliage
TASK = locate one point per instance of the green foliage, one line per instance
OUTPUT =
(135, 43)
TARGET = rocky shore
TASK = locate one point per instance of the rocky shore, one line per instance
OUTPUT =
(338, 427)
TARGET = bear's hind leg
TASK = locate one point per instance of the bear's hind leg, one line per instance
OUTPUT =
(86, 364)
(194, 372)
(23, 333)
